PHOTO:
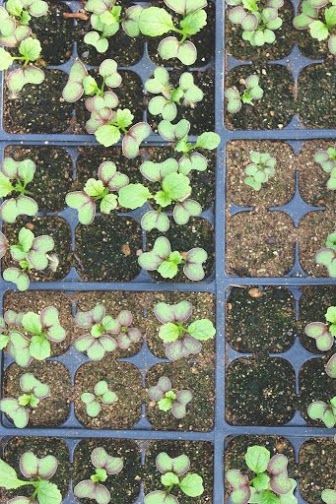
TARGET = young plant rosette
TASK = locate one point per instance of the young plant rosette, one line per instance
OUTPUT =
(19, 409)
(251, 93)
(101, 395)
(169, 399)
(95, 488)
(175, 475)
(38, 472)
(31, 253)
(98, 192)
(106, 334)
(327, 160)
(259, 170)
(270, 484)
(182, 340)
(167, 262)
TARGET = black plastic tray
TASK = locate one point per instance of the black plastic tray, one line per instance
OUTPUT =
(296, 431)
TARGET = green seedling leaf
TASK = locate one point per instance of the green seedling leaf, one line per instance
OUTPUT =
(131, 20)
(257, 459)
(171, 47)
(20, 77)
(160, 497)
(192, 485)
(202, 330)
(8, 477)
(155, 22)
(155, 220)
(30, 49)
(18, 277)
(156, 172)
(134, 196)
(185, 7)
(6, 60)
(11, 208)
(329, 496)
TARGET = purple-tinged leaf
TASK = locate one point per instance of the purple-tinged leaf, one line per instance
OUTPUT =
(331, 366)
(4, 245)
(96, 103)
(22, 76)
(193, 266)
(108, 174)
(171, 47)
(135, 136)
(91, 490)
(74, 89)
(84, 204)
(277, 469)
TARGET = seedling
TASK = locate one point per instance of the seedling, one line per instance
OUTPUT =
(167, 263)
(261, 168)
(38, 472)
(169, 399)
(324, 412)
(95, 488)
(31, 253)
(106, 20)
(258, 21)
(14, 178)
(251, 92)
(174, 190)
(29, 51)
(24, 10)
(98, 192)
(271, 482)
(327, 255)
(167, 104)
(175, 475)
(191, 158)
(105, 333)
(19, 409)
(327, 160)
(181, 340)
(102, 395)
(31, 337)
(329, 496)
(107, 124)
(312, 11)
(156, 21)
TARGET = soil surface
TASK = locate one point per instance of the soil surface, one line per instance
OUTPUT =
(202, 116)
(124, 379)
(201, 462)
(260, 392)
(313, 477)
(55, 33)
(204, 40)
(53, 176)
(55, 227)
(105, 256)
(39, 108)
(259, 243)
(242, 50)
(278, 191)
(15, 447)
(315, 385)
(317, 109)
(35, 301)
(276, 108)
(124, 486)
(260, 320)
(52, 410)
(237, 446)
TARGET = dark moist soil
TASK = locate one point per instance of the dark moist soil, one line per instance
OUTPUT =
(124, 379)
(36, 301)
(58, 229)
(314, 475)
(276, 108)
(277, 191)
(39, 108)
(53, 176)
(238, 445)
(315, 385)
(114, 302)
(52, 410)
(197, 233)
(202, 117)
(313, 179)
(316, 98)
(130, 96)
(103, 255)
(15, 447)
(314, 303)
(55, 33)
(204, 40)
(312, 234)
(242, 50)
(125, 486)
(184, 375)
(259, 243)
(201, 462)
(260, 320)
(260, 392)
(125, 50)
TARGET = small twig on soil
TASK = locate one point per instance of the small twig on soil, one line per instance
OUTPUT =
(76, 15)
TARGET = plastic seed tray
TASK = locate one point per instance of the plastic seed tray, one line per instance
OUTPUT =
(218, 283)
